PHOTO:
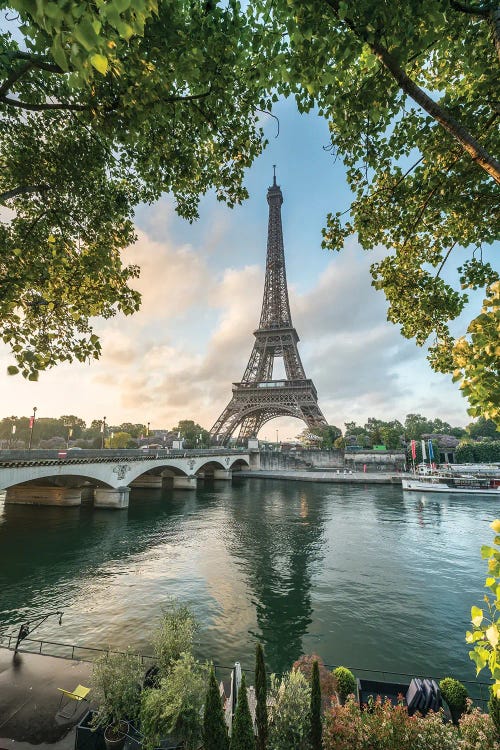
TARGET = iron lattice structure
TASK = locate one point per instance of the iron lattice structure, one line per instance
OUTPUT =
(258, 398)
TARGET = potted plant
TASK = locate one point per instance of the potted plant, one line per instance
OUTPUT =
(455, 694)
(174, 709)
(116, 682)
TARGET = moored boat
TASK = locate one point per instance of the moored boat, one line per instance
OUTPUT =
(460, 484)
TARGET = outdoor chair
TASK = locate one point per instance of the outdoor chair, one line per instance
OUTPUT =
(78, 695)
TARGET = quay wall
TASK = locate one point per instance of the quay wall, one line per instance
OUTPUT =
(366, 461)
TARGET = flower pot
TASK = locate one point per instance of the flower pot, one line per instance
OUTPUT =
(115, 735)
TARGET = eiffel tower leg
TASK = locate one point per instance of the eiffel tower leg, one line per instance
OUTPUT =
(226, 424)
(250, 427)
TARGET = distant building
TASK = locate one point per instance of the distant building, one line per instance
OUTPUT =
(447, 445)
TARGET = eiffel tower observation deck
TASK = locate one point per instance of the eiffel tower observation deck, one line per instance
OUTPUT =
(258, 398)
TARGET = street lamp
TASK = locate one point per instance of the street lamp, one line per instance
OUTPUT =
(32, 423)
(103, 432)
(12, 431)
(147, 430)
(277, 440)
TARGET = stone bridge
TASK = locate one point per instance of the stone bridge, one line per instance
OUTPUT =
(106, 476)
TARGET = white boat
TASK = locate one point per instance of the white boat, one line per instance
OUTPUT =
(460, 484)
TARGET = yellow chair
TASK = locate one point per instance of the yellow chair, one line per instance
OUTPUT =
(78, 694)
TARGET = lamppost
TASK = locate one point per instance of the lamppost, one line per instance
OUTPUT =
(103, 432)
(12, 431)
(70, 434)
(32, 423)
(277, 440)
(147, 430)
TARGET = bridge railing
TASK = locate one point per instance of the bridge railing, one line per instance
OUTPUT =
(107, 455)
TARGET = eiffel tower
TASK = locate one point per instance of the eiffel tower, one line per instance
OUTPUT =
(258, 398)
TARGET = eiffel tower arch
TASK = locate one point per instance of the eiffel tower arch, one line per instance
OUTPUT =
(258, 398)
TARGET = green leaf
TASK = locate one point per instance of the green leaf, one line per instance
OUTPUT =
(59, 54)
(487, 551)
(476, 616)
(100, 63)
(12, 370)
(84, 34)
(492, 635)
(479, 659)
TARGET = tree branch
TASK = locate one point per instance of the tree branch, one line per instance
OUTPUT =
(43, 107)
(44, 63)
(471, 9)
(477, 153)
(13, 77)
(22, 190)
(445, 259)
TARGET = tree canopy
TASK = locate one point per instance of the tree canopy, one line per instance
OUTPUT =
(107, 105)
(103, 107)
(408, 89)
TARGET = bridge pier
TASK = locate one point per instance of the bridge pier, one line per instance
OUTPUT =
(184, 483)
(148, 481)
(111, 498)
(33, 495)
(225, 474)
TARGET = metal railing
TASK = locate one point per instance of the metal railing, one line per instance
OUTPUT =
(48, 458)
(478, 691)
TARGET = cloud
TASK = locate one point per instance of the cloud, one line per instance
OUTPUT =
(177, 357)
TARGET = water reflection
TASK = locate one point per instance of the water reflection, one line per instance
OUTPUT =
(276, 538)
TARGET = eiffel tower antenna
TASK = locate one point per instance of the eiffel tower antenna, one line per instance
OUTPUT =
(258, 398)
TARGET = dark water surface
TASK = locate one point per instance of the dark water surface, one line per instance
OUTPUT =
(365, 576)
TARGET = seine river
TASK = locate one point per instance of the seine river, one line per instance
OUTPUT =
(366, 576)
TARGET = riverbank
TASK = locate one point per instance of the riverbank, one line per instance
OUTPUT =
(334, 476)
(29, 700)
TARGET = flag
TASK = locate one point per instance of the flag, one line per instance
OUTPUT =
(424, 454)
(431, 450)
(414, 449)
(32, 422)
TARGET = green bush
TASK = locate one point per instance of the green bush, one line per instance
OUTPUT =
(494, 709)
(116, 687)
(346, 682)
(176, 706)
(289, 712)
(174, 636)
(455, 694)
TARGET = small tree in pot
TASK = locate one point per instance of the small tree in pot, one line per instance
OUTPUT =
(175, 635)
(176, 706)
(116, 683)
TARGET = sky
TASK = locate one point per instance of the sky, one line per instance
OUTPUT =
(202, 287)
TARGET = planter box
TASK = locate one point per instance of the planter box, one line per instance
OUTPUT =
(87, 738)
(371, 688)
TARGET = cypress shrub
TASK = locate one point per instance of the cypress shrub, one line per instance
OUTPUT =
(316, 727)
(214, 726)
(494, 709)
(261, 695)
(242, 737)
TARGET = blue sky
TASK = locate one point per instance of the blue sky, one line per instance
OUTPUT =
(202, 285)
